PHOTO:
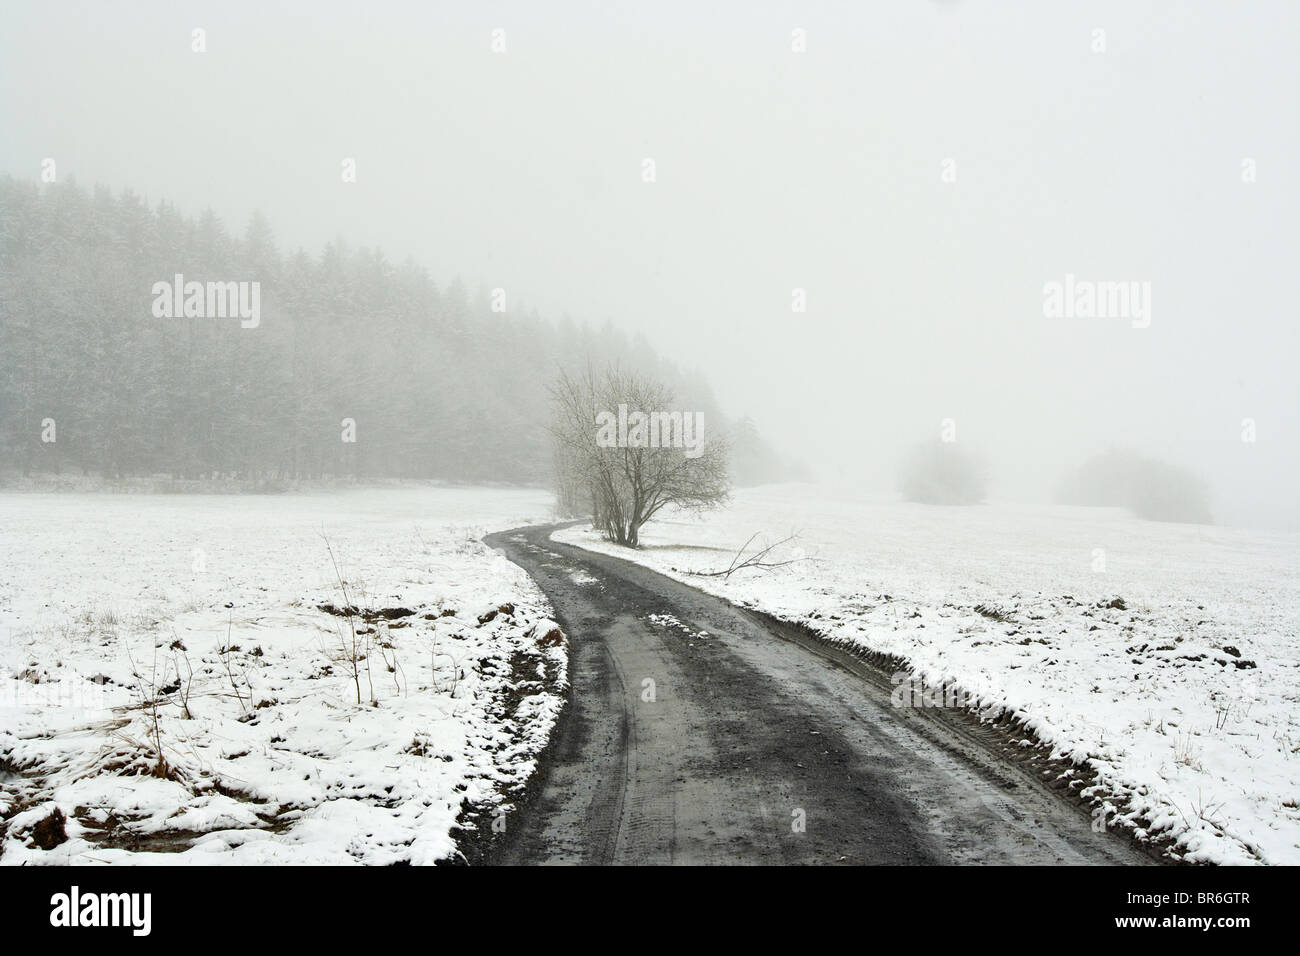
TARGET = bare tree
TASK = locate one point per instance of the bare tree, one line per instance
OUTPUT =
(625, 475)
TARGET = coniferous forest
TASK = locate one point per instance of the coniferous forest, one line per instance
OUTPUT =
(358, 368)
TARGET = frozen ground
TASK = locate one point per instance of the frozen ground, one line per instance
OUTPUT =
(1165, 655)
(118, 613)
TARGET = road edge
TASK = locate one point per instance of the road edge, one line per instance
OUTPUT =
(1001, 737)
(477, 845)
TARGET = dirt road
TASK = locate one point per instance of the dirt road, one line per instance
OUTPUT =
(699, 734)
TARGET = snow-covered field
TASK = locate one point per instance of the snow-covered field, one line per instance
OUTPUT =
(1165, 655)
(170, 687)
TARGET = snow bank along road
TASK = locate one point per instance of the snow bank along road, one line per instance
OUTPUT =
(699, 734)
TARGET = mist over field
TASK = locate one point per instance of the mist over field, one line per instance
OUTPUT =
(844, 224)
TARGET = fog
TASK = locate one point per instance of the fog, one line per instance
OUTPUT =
(920, 171)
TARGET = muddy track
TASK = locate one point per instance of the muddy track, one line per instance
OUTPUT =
(699, 732)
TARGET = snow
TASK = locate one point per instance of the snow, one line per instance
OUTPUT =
(671, 623)
(1122, 643)
(107, 601)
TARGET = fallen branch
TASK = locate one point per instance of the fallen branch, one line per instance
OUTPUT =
(759, 559)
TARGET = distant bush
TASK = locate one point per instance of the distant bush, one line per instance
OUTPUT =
(755, 462)
(941, 473)
(1149, 488)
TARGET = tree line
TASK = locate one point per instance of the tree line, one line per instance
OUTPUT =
(358, 368)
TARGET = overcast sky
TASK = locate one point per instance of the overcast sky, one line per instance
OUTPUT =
(775, 170)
